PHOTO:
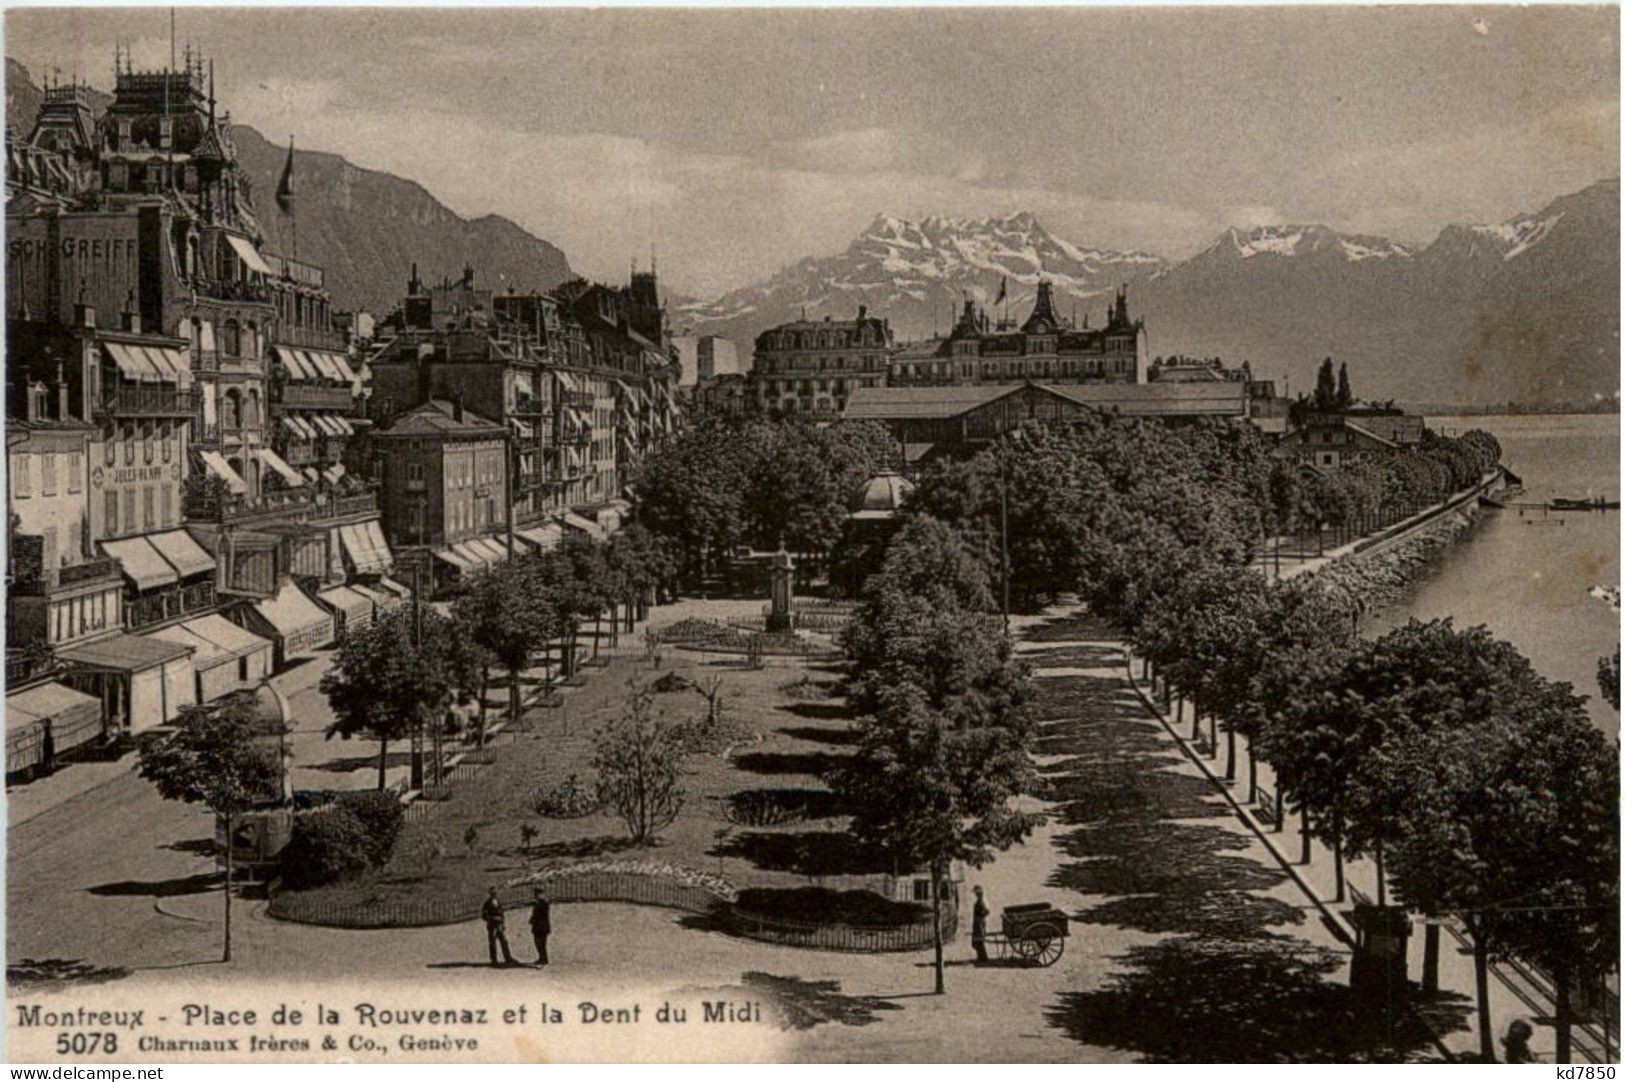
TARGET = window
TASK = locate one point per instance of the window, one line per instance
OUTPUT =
(127, 514)
(232, 338)
(110, 513)
(129, 448)
(110, 448)
(76, 472)
(166, 505)
(922, 890)
(242, 669)
(47, 475)
(147, 518)
(19, 476)
(146, 444)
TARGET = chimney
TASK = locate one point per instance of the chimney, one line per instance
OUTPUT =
(457, 408)
(61, 393)
(83, 314)
(863, 310)
(130, 319)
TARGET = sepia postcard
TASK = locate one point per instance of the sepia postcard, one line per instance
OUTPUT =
(968, 535)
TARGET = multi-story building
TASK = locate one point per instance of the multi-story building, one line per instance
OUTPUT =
(577, 377)
(1044, 349)
(135, 264)
(812, 367)
(442, 475)
(704, 357)
(1332, 441)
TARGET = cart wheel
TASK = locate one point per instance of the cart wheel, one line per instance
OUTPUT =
(1026, 945)
(1045, 942)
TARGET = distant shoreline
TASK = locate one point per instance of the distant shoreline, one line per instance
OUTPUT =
(1436, 409)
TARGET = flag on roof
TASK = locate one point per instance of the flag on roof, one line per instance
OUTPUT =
(1003, 283)
(284, 186)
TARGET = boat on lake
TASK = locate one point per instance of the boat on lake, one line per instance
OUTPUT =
(1590, 503)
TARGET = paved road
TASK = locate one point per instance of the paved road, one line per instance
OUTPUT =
(1117, 993)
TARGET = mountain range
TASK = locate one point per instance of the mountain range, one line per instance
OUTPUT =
(1523, 310)
(1526, 309)
(365, 227)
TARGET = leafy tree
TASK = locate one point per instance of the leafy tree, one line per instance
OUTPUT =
(1345, 396)
(637, 760)
(1325, 388)
(943, 739)
(385, 682)
(1608, 678)
(510, 614)
(212, 757)
(926, 791)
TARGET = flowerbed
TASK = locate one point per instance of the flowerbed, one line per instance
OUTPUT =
(677, 874)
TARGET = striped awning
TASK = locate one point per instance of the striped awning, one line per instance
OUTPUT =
(275, 462)
(149, 363)
(142, 564)
(222, 469)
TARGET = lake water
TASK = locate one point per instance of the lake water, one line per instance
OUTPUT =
(1530, 584)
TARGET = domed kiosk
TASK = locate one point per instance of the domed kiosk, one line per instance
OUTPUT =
(880, 498)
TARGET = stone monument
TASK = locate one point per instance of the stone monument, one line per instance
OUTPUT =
(779, 618)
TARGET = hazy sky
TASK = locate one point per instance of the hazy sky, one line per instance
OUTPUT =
(738, 141)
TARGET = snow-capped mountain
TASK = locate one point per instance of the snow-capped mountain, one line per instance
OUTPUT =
(917, 273)
(1524, 309)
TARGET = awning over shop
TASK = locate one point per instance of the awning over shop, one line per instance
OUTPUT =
(543, 538)
(222, 469)
(333, 473)
(357, 608)
(577, 417)
(585, 525)
(495, 551)
(294, 361)
(297, 426)
(133, 363)
(275, 462)
(141, 563)
(234, 641)
(123, 653)
(568, 381)
(360, 550)
(332, 366)
(521, 427)
(344, 426)
(402, 592)
(75, 719)
(382, 600)
(183, 553)
(245, 251)
(474, 556)
(310, 474)
(302, 625)
(206, 654)
(457, 560)
(375, 539)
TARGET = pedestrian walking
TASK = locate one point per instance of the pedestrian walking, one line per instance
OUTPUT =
(978, 926)
(1516, 1042)
(496, 929)
(541, 924)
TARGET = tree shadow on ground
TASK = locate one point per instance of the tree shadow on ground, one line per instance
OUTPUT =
(825, 711)
(811, 763)
(160, 888)
(1160, 858)
(200, 847)
(362, 762)
(772, 807)
(820, 735)
(810, 853)
(1077, 628)
(1073, 657)
(573, 847)
(804, 1004)
(1260, 1001)
(1227, 914)
(53, 974)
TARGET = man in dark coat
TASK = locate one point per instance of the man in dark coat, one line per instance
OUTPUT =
(496, 928)
(978, 926)
(541, 923)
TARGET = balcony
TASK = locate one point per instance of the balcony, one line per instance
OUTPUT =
(138, 401)
(224, 290)
(303, 396)
(224, 507)
(172, 603)
(28, 666)
(579, 399)
(29, 579)
(289, 334)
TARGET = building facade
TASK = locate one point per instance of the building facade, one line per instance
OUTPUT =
(812, 367)
(1044, 348)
